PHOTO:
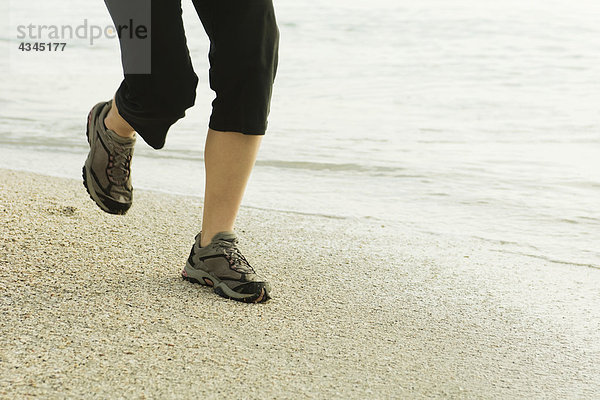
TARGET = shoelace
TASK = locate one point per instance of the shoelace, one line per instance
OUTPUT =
(236, 259)
(118, 169)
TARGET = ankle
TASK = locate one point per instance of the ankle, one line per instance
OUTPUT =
(206, 236)
(117, 128)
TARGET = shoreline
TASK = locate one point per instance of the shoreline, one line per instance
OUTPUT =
(93, 305)
(152, 174)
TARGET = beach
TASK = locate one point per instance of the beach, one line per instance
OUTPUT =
(424, 205)
(93, 306)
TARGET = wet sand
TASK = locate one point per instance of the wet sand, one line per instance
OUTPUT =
(92, 305)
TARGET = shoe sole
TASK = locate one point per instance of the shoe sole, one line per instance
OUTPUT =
(219, 287)
(120, 208)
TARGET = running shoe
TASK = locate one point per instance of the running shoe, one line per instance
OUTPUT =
(222, 266)
(107, 170)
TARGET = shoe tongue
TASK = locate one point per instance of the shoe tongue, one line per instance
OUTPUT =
(227, 235)
(104, 111)
(122, 141)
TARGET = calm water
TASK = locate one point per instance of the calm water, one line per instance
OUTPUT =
(470, 118)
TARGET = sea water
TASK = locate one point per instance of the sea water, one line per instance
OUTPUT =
(469, 118)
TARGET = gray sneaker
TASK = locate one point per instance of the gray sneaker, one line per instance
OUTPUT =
(107, 170)
(222, 266)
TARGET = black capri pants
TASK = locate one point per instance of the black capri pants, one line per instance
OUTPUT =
(244, 41)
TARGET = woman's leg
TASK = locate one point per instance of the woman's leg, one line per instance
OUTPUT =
(117, 124)
(243, 59)
(159, 85)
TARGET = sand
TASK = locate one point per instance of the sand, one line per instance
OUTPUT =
(93, 306)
